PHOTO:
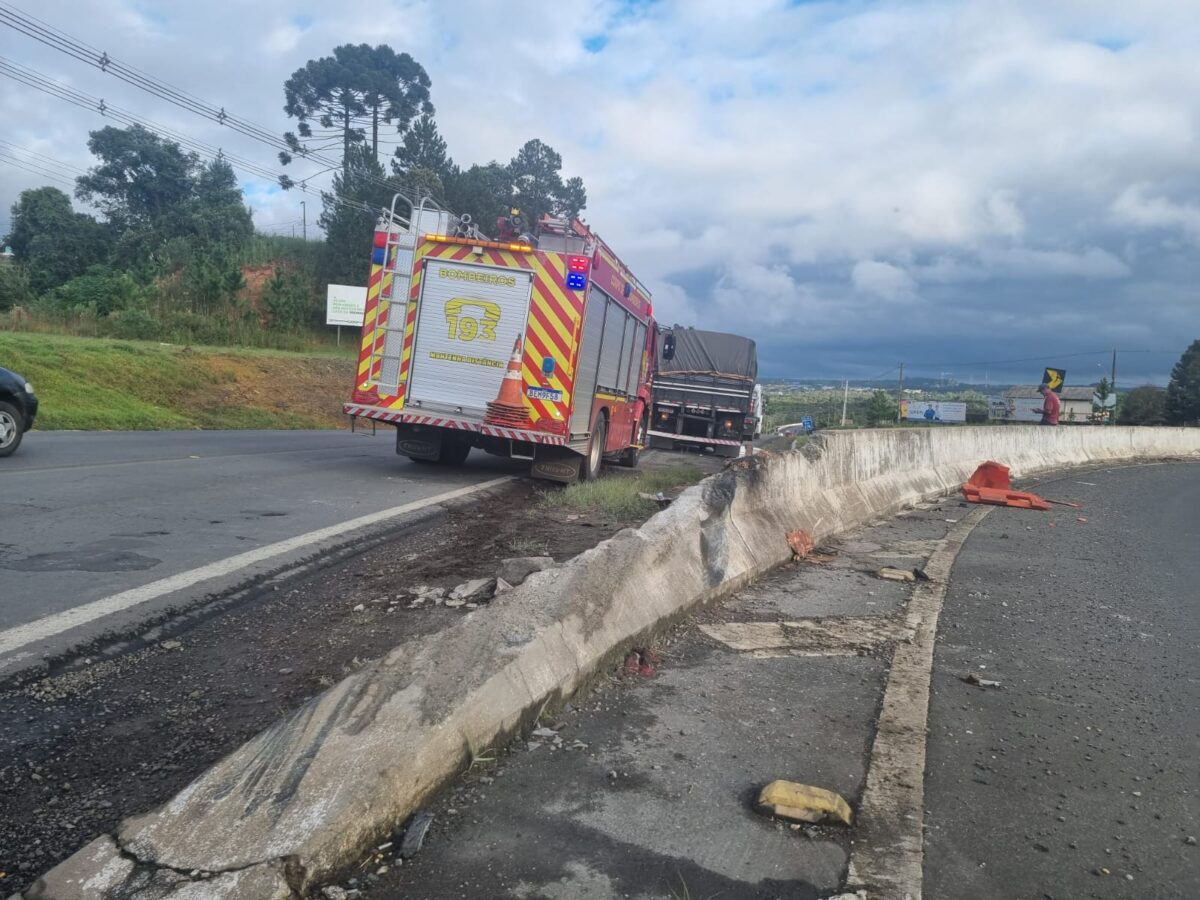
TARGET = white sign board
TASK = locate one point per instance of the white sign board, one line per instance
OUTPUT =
(1014, 409)
(933, 411)
(345, 304)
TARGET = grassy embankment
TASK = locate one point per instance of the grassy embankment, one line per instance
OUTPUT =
(618, 493)
(99, 384)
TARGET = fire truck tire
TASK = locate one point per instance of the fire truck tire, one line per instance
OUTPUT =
(590, 470)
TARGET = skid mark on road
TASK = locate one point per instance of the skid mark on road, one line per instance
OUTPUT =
(50, 626)
(888, 853)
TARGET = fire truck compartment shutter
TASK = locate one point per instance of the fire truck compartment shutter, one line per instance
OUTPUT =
(589, 361)
(470, 316)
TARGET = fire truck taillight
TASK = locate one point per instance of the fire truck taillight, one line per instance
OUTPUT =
(381, 238)
(378, 255)
(577, 268)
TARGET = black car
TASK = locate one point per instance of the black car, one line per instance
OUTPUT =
(18, 406)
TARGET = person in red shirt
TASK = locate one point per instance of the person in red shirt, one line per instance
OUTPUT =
(1050, 405)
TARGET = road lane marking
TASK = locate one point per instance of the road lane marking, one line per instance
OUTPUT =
(170, 459)
(53, 625)
(888, 854)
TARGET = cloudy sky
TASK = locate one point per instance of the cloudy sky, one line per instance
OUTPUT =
(975, 188)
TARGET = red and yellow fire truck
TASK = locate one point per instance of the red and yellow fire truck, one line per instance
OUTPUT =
(538, 346)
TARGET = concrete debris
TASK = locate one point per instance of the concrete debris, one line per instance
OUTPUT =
(893, 574)
(857, 895)
(171, 645)
(801, 542)
(502, 586)
(544, 733)
(516, 569)
(476, 590)
(455, 604)
(333, 892)
(660, 498)
(972, 678)
(803, 803)
(359, 608)
(414, 834)
(1190, 840)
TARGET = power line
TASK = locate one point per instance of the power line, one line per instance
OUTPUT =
(57, 39)
(45, 84)
(19, 164)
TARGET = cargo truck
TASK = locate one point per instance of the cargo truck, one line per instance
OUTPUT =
(704, 397)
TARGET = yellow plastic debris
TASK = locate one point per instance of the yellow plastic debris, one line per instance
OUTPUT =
(803, 803)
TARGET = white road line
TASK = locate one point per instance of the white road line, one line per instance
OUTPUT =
(888, 855)
(50, 626)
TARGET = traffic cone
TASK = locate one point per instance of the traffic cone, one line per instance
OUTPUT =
(509, 406)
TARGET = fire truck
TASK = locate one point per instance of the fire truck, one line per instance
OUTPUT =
(538, 345)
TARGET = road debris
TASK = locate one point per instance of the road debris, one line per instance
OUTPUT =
(414, 833)
(893, 574)
(920, 574)
(660, 498)
(516, 569)
(972, 678)
(171, 645)
(1081, 519)
(641, 661)
(477, 590)
(803, 803)
(801, 543)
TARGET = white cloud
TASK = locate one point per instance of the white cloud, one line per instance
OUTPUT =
(882, 279)
(1137, 207)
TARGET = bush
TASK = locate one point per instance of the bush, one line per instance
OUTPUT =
(99, 292)
(14, 288)
(134, 325)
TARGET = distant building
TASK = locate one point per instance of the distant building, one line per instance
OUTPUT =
(1076, 403)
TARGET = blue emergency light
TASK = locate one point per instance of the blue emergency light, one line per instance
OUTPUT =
(576, 281)
(547, 365)
(378, 255)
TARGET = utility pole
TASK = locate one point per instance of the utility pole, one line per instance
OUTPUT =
(845, 398)
(900, 398)
(1112, 387)
(304, 218)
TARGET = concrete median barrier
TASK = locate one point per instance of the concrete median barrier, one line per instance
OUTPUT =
(307, 796)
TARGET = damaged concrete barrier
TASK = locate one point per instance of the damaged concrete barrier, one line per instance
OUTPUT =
(307, 796)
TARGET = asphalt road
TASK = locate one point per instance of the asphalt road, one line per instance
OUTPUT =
(1078, 776)
(84, 516)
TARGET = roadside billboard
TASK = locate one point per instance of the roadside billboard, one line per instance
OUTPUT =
(345, 304)
(933, 411)
(1013, 409)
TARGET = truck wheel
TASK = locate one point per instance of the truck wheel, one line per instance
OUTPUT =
(630, 455)
(595, 451)
(11, 425)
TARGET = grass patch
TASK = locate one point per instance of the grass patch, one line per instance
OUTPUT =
(102, 384)
(618, 496)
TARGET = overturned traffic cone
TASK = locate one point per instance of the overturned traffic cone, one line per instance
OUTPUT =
(509, 406)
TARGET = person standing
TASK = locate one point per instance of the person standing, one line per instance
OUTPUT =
(1050, 405)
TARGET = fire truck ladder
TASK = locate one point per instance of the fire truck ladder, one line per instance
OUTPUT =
(396, 288)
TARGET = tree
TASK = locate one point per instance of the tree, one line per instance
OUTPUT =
(348, 217)
(51, 241)
(538, 186)
(348, 93)
(218, 212)
(1100, 409)
(143, 182)
(423, 148)
(881, 408)
(1146, 405)
(486, 192)
(1183, 391)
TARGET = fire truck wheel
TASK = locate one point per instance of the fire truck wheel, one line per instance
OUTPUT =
(595, 453)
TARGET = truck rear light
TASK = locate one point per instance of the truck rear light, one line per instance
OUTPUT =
(547, 365)
(576, 281)
(378, 255)
(578, 264)
(381, 238)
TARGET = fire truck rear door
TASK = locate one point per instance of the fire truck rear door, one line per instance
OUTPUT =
(469, 319)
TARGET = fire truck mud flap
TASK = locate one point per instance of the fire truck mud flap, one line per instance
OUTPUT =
(419, 441)
(555, 464)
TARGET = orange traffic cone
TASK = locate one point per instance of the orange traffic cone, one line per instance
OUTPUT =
(509, 405)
